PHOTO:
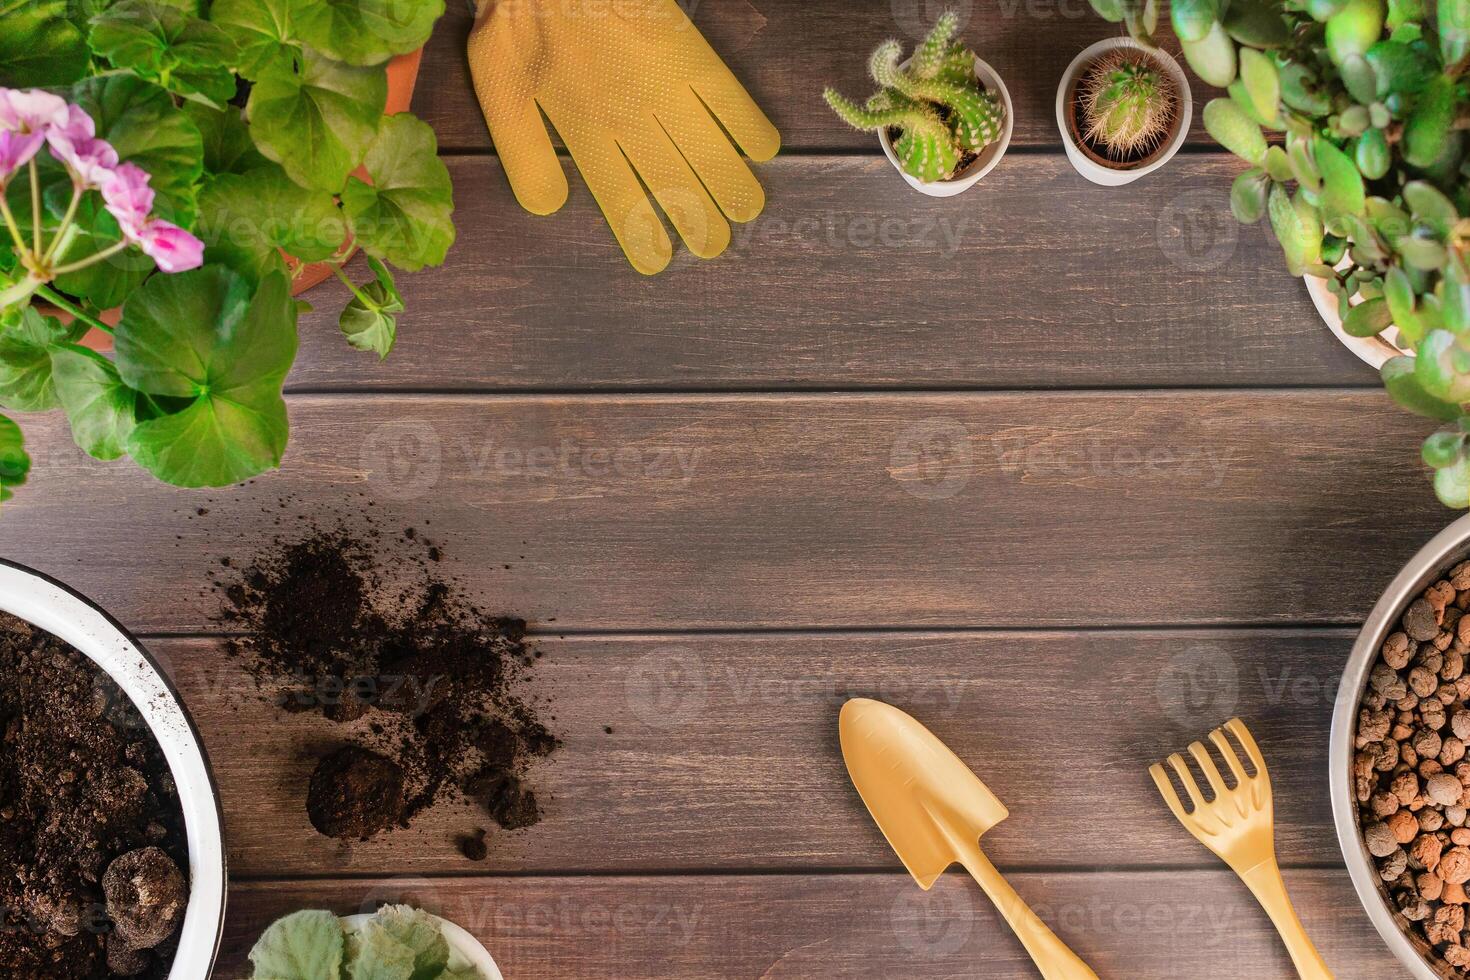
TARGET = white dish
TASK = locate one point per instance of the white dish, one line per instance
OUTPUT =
(464, 949)
(51, 606)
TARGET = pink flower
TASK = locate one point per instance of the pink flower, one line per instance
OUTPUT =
(16, 150)
(173, 248)
(31, 110)
(90, 160)
(129, 199)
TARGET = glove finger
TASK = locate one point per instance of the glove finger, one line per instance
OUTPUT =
(626, 207)
(708, 150)
(737, 112)
(677, 189)
(520, 136)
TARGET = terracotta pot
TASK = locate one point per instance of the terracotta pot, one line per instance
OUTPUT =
(403, 74)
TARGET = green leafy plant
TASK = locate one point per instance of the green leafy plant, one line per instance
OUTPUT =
(1365, 180)
(939, 109)
(1127, 104)
(397, 943)
(172, 167)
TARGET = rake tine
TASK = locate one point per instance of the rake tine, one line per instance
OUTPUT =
(1238, 729)
(1227, 752)
(1181, 769)
(1212, 773)
(1166, 790)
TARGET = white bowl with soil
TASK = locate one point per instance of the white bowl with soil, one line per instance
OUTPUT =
(1431, 565)
(1088, 157)
(52, 607)
(985, 161)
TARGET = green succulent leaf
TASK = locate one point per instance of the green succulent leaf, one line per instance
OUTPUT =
(1354, 29)
(246, 220)
(1192, 19)
(1442, 367)
(263, 32)
(142, 123)
(26, 340)
(1424, 254)
(1342, 186)
(1452, 484)
(403, 215)
(1371, 154)
(1399, 293)
(1303, 163)
(102, 409)
(369, 321)
(1256, 23)
(1427, 130)
(161, 42)
(304, 946)
(1302, 89)
(1291, 232)
(1258, 75)
(1367, 319)
(1278, 166)
(1443, 449)
(1399, 68)
(203, 336)
(15, 462)
(1212, 57)
(1430, 207)
(1248, 196)
(1453, 25)
(1455, 300)
(1400, 378)
(318, 122)
(1359, 78)
(39, 45)
(367, 32)
(1232, 129)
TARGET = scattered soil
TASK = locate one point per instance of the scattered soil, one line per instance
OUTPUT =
(87, 805)
(1411, 775)
(420, 683)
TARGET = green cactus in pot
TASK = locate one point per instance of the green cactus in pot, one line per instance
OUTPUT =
(1127, 104)
(939, 109)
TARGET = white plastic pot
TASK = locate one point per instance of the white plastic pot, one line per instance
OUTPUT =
(464, 949)
(51, 606)
(1373, 351)
(1086, 165)
(983, 164)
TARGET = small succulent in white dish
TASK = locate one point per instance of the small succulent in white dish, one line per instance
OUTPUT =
(397, 942)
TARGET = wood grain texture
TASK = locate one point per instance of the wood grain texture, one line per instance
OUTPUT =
(723, 749)
(1035, 278)
(787, 51)
(779, 927)
(672, 512)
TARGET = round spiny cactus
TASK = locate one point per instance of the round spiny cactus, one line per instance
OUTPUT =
(1127, 104)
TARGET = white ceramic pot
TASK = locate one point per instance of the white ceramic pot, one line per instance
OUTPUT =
(982, 164)
(464, 949)
(53, 607)
(1371, 350)
(1079, 158)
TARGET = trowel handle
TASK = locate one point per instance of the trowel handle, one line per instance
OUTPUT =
(1050, 954)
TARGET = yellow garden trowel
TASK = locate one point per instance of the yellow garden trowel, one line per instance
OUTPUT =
(933, 809)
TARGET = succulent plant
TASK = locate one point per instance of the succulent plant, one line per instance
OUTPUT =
(1127, 104)
(1368, 186)
(934, 101)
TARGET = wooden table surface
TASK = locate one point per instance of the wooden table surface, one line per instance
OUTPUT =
(1072, 474)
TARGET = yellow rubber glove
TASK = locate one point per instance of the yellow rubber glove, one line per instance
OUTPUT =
(634, 90)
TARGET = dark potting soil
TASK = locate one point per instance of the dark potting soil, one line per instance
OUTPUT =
(87, 806)
(421, 683)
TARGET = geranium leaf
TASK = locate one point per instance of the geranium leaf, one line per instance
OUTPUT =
(141, 121)
(373, 954)
(418, 932)
(368, 32)
(372, 324)
(26, 339)
(15, 463)
(102, 409)
(265, 42)
(404, 214)
(228, 148)
(201, 335)
(39, 45)
(163, 43)
(303, 946)
(245, 218)
(319, 121)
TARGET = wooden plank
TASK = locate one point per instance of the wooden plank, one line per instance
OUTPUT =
(1035, 279)
(723, 749)
(1182, 924)
(677, 512)
(786, 52)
